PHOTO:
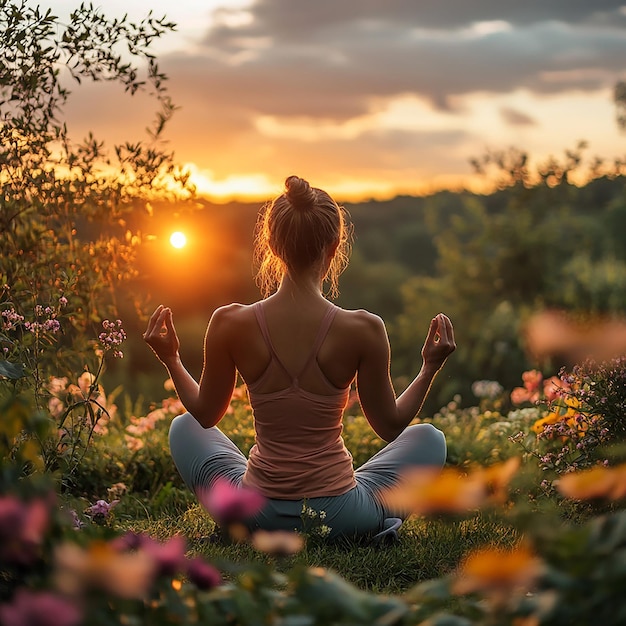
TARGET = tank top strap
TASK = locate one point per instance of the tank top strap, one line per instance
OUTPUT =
(260, 316)
(324, 327)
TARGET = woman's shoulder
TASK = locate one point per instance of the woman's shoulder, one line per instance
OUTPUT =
(359, 320)
(234, 313)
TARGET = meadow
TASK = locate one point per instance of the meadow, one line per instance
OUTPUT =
(97, 525)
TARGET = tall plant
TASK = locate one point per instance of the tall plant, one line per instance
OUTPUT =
(66, 241)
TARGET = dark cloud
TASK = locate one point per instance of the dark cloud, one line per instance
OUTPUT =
(339, 76)
(513, 117)
(303, 20)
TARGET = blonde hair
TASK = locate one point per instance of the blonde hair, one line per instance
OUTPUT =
(295, 230)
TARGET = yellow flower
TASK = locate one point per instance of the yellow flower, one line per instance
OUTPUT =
(496, 569)
(497, 478)
(429, 491)
(597, 482)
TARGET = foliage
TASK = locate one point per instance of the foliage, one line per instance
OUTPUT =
(540, 242)
(515, 559)
(581, 424)
(66, 243)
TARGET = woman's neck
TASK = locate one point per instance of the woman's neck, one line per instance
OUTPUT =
(304, 286)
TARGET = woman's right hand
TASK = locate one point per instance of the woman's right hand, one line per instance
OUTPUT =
(439, 343)
(161, 335)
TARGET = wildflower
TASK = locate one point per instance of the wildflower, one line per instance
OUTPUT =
(227, 503)
(117, 490)
(101, 567)
(487, 389)
(56, 407)
(168, 385)
(42, 608)
(11, 319)
(133, 443)
(22, 529)
(169, 557)
(497, 478)
(519, 395)
(77, 523)
(531, 391)
(62, 301)
(101, 509)
(279, 542)
(597, 482)
(431, 491)
(495, 569)
(112, 337)
(203, 574)
(173, 406)
(85, 382)
(553, 388)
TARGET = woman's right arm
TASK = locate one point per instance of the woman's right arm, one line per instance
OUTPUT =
(389, 415)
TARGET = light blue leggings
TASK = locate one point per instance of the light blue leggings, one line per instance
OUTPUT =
(203, 455)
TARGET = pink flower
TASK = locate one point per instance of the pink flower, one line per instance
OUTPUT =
(532, 380)
(22, 528)
(168, 557)
(41, 608)
(203, 574)
(227, 503)
(133, 443)
(553, 388)
(519, 395)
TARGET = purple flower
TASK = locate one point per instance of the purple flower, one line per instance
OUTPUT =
(168, 556)
(101, 508)
(112, 337)
(203, 574)
(43, 608)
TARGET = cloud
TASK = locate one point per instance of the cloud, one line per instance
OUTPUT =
(514, 117)
(326, 65)
(331, 60)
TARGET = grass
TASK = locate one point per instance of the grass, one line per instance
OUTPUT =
(425, 549)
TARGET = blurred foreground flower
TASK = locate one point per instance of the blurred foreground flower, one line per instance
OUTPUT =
(203, 574)
(101, 567)
(278, 542)
(497, 570)
(597, 482)
(429, 491)
(229, 504)
(43, 608)
(556, 333)
(22, 529)
(169, 558)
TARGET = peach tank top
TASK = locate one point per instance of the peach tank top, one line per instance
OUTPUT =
(299, 452)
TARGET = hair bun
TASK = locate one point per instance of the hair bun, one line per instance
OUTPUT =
(299, 193)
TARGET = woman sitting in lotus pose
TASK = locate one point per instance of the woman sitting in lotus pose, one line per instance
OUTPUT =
(298, 355)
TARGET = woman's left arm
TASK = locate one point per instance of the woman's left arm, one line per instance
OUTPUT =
(209, 400)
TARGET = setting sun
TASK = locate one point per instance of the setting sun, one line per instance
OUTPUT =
(178, 239)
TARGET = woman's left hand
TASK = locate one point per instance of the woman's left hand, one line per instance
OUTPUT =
(439, 343)
(161, 335)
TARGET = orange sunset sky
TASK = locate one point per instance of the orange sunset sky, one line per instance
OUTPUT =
(368, 98)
